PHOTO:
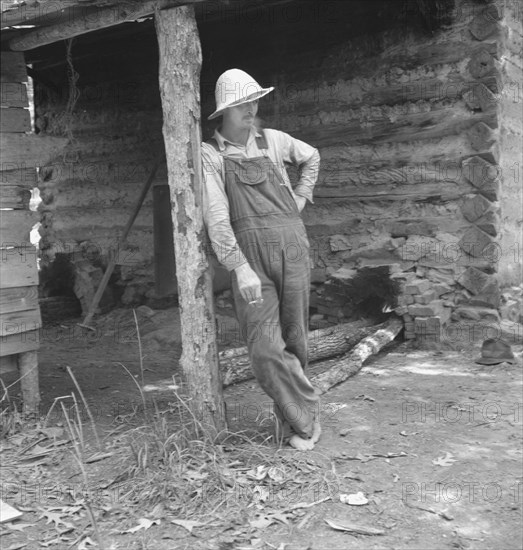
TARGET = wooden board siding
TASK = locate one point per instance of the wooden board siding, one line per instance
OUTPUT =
(20, 342)
(18, 267)
(15, 120)
(15, 226)
(18, 299)
(13, 94)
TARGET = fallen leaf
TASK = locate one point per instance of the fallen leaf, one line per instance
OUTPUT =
(262, 522)
(446, 460)
(56, 518)
(352, 528)
(187, 524)
(356, 499)
(16, 546)
(258, 474)
(143, 523)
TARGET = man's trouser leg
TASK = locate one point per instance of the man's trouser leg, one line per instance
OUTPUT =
(276, 333)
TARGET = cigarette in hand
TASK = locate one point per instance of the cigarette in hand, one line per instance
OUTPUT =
(256, 302)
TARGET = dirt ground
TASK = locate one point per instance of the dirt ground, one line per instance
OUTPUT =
(424, 447)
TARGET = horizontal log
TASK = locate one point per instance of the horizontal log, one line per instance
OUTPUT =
(15, 120)
(15, 226)
(20, 343)
(17, 322)
(18, 299)
(349, 364)
(101, 18)
(14, 196)
(30, 149)
(39, 13)
(412, 127)
(235, 365)
(18, 267)
(13, 94)
(12, 68)
(20, 174)
(444, 190)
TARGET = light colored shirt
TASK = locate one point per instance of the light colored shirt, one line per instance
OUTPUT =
(281, 148)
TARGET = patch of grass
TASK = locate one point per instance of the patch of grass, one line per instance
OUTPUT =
(174, 461)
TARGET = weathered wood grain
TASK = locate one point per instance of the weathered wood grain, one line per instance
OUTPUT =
(16, 322)
(445, 190)
(19, 343)
(100, 18)
(413, 127)
(14, 196)
(180, 92)
(15, 226)
(20, 174)
(18, 267)
(13, 94)
(28, 366)
(338, 370)
(30, 149)
(18, 299)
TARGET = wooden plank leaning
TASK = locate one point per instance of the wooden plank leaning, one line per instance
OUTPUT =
(121, 241)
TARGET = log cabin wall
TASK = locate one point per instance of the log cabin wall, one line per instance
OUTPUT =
(88, 195)
(411, 105)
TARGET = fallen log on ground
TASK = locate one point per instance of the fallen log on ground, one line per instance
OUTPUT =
(339, 369)
(323, 343)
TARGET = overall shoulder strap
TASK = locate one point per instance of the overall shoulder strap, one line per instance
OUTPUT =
(261, 140)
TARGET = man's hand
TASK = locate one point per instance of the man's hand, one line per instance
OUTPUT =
(300, 202)
(249, 283)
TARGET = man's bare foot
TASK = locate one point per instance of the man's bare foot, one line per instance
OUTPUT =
(301, 444)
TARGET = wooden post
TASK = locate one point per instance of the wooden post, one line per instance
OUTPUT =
(28, 370)
(180, 65)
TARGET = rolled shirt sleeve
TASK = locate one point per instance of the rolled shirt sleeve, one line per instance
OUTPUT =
(216, 211)
(301, 154)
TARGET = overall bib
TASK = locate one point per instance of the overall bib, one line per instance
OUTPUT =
(271, 234)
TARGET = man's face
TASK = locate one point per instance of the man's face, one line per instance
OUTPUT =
(242, 116)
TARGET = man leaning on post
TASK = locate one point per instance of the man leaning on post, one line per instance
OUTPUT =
(253, 219)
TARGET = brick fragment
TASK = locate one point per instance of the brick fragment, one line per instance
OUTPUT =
(426, 297)
(417, 287)
(429, 310)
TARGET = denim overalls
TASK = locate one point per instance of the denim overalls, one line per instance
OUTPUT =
(270, 232)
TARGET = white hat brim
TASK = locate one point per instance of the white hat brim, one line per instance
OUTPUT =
(252, 97)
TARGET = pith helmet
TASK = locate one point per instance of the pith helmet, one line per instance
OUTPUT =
(235, 87)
